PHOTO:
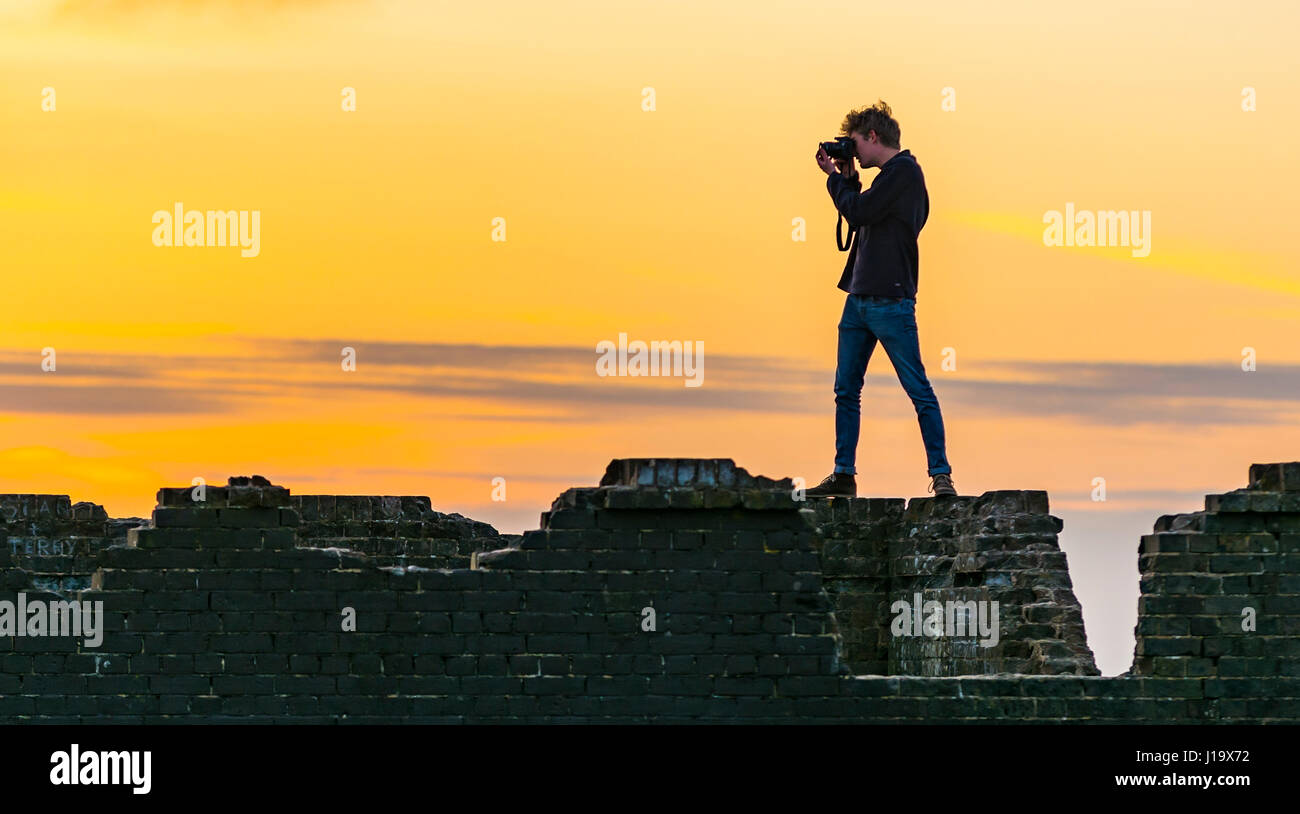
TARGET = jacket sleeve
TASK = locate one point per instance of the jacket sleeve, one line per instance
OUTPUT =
(866, 208)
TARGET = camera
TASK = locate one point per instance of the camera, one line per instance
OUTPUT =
(842, 147)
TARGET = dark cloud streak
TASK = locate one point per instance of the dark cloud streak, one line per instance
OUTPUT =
(1103, 393)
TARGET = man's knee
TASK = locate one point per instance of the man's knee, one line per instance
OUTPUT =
(848, 391)
(847, 383)
(848, 396)
(922, 394)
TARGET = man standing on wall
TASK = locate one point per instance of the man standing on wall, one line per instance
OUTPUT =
(881, 280)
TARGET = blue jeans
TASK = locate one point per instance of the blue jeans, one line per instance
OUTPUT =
(892, 320)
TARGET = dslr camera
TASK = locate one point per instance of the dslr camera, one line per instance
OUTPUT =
(843, 147)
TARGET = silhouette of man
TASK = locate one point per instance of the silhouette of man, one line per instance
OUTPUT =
(881, 280)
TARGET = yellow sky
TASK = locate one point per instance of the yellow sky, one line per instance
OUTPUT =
(671, 224)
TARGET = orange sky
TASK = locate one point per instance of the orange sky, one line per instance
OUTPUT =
(476, 358)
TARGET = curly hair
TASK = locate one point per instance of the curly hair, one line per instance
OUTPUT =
(877, 117)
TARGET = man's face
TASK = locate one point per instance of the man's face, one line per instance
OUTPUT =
(866, 147)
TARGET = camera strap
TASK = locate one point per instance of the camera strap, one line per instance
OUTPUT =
(839, 238)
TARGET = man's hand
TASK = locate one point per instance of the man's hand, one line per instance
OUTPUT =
(824, 161)
(829, 165)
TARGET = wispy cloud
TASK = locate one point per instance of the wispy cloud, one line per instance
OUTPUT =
(558, 383)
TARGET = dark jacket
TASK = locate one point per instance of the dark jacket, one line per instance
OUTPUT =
(888, 217)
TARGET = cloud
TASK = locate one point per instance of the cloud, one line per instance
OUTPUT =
(110, 399)
(1124, 393)
(558, 383)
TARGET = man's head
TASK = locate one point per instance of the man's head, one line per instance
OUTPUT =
(875, 132)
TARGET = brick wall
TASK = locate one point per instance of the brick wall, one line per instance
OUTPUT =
(394, 530)
(220, 612)
(1221, 592)
(998, 547)
(55, 540)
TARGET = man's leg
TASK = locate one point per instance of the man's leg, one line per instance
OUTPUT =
(855, 346)
(895, 324)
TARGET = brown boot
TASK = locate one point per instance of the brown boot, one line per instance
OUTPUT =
(837, 484)
(942, 486)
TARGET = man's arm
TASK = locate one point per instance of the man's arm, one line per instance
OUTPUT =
(850, 179)
(865, 208)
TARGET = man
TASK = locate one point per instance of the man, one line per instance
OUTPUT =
(881, 279)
